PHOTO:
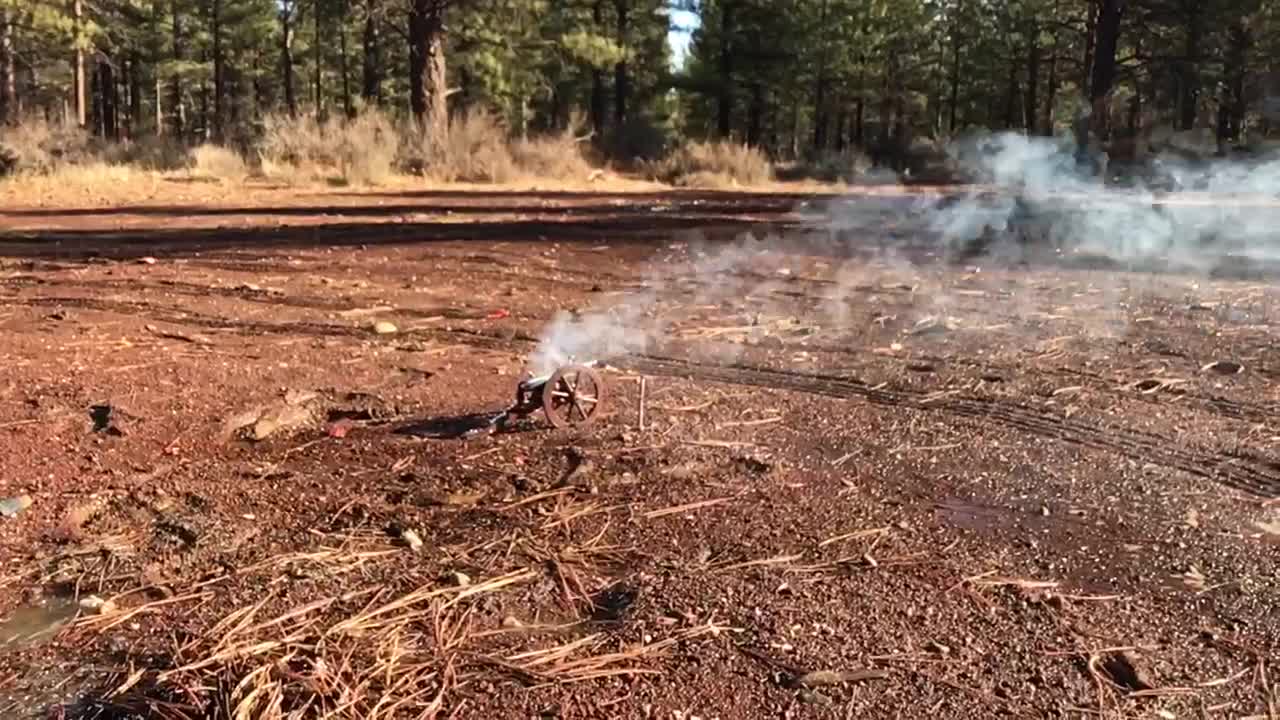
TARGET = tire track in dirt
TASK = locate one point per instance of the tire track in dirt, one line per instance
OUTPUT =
(1238, 470)
(1254, 475)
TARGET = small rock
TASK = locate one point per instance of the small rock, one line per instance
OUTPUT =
(512, 622)
(411, 539)
(14, 506)
(939, 648)
(146, 260)
(97, 605)
(1193, 518)
(1125, 668)
(813, 697)
(382, 327)
(461, 579)
(1224, 367)
(287, 417)
(818, 678)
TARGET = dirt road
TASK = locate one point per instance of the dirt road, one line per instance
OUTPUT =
(871, 484)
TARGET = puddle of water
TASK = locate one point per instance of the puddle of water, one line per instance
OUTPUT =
(36, 623)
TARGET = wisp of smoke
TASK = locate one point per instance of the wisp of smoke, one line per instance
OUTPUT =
(1040, 189)
(1030, 187)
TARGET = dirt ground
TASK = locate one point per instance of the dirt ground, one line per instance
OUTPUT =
(870, 484)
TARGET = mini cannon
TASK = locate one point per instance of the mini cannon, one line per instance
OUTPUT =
(572, 395)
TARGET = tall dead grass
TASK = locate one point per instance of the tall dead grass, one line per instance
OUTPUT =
(475, 150)
(713, 165)
(218, 163)
(478, 149)
(37, 147)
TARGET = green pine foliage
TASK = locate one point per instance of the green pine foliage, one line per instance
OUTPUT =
(834, 87)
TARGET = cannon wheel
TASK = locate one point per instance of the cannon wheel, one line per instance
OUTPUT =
(573, 396)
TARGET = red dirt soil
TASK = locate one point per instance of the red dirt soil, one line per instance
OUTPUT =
(866, 487)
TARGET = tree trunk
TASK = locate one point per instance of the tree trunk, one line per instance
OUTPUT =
(1135, 101)
(597, 77)
(795, 130)
(859, 106)
(219, 69)
(134, 70)
(348, 106)
(1052, 90)
(1104, 63)
(8, 72)
(1011, 96)
(1188, 70)
(372, 85)
(724, 110)
(1092, 120)
(955, 84)
(1031, 110)
(110, 100)
(427, 81)
(286, 57)
(1239, 41)
(125, 115)
(94, 113)
(820, 119)
(175, 84)
(259, 92)
(78, 83)
(1090, 38)
(621, 81)
(204, 102)
(159, 106)
(319, 69)
(841, 121)
(859, 122)
(755, 114)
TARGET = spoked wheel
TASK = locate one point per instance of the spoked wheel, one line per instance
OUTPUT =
(573, 396)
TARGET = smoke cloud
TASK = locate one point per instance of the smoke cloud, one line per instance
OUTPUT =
(1030, 201)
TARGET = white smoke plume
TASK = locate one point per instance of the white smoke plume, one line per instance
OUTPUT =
(1183, 215)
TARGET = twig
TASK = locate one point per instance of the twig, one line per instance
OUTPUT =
(775, 560)
(537, 496)
(852, 535)
(481, 454)
(750, 423)
(644, 387)
(690, 408)
(729, 444)
(675, 509)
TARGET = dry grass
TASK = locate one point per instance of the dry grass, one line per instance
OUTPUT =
(369, 654)
(36, 147)
(295, 150)
(368, 145)
(370, 149)
(552, 157)
(91, 183)
(218, 163)
(476, 150)
(713, 165)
